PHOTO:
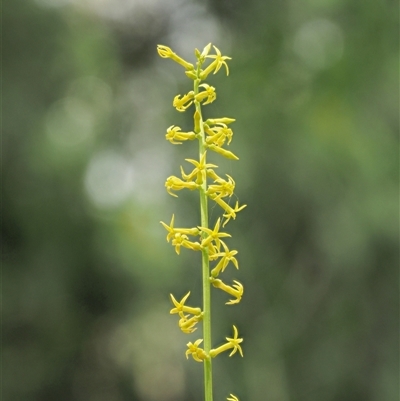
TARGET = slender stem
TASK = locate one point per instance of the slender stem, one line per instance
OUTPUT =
(208, 395)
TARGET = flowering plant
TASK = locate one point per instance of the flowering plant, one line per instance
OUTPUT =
(213, 135)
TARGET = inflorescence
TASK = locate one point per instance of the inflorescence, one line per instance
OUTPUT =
(214, 135)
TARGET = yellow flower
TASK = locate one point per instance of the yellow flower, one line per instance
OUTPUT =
(197, 353)
(200, 171)
(232, 398)
(208, 93)
(191, 74)
(230, 212)
(176, 184)
(218, 62)
(183, 240)
(222, 187)
(235, 290)
(180, 307)
(218, 134)
(174, 134)
(213, 235)
(172, 231)
(232, 343)
(206, 50)
(166, 52)
(201, 56)
(223, 120)
(222, 152)
(226, 257)
(180, 238)
(187, 325)
(182, 103)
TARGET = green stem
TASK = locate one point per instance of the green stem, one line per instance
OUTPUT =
(208, 395)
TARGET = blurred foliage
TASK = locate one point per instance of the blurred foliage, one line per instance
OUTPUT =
(86, 270)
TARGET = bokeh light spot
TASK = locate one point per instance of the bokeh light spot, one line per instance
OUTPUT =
(109, 179)
(319, 43)
(69, 122)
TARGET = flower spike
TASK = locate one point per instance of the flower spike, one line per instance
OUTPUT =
(213, 134)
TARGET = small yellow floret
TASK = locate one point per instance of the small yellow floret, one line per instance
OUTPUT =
(180, 307)
(197, 353)
(166, 52)
(209, 94)
(231, 343)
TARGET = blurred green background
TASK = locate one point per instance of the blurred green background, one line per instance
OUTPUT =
(86, 268)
